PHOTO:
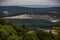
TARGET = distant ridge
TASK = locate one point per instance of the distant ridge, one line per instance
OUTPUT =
(40, 6)
(18, 10)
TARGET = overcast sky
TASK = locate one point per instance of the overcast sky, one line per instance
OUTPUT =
(29, 2)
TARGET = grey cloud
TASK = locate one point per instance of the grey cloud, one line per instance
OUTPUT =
(30, 2)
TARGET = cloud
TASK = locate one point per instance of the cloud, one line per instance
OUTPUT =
(30, 2)
(1, 0)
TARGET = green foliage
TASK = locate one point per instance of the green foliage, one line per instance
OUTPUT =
(6, 31)
(29, 36)
(11, 31)
(42, 35)
(13, 37)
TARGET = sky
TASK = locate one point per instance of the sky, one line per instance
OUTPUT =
(28, 2)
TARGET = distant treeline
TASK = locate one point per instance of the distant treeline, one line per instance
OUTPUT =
(34, 24)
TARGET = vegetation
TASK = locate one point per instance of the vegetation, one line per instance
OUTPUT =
(11, 31)
(33, 23)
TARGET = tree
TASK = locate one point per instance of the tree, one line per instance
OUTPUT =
(29, 36)
(7, 32)
(42, 35)
(57, 29)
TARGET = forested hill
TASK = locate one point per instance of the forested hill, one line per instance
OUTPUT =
(17, 10)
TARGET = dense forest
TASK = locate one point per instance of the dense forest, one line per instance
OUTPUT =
(11, 31)
(35, 24)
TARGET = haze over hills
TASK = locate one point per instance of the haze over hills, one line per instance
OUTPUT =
(28, 16)
(20, 10)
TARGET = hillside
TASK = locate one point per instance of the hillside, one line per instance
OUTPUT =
(17, 10)
(30, 16)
